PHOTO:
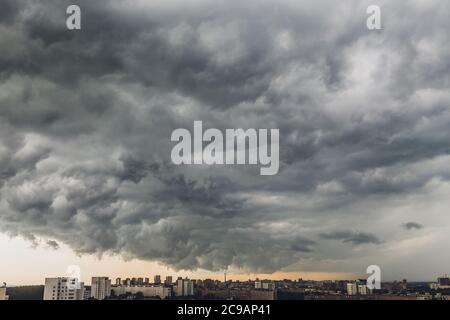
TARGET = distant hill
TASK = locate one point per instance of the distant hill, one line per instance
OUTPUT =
(25, 293)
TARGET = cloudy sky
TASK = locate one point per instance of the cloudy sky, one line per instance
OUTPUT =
(86, 118)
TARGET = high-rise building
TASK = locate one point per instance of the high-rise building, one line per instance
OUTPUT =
(100, 288)
(362, 289)
(157, 279)
(63, 288)
(444, 282)
(146, 281)
(87, 294)
(352, 289)
(118, 282)
(184, 288)
(264, 284)
(188, 289)
(168, 281)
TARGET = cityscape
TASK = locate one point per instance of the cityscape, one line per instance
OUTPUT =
(143, 288)
(179, 152)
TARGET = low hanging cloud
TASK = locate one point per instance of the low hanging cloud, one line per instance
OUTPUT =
(354, 237)
(412, 226)
(52, 244)
(86, 118)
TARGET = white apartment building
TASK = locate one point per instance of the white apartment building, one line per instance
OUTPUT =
(352, 289)
(148, 291)
(63, 288)
(184, 288)
(100, 288)
(362, 289)
(264, 284)
(357, 288)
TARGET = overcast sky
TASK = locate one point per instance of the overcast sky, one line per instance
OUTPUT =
(364, 118)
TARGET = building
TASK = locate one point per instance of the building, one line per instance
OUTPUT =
(140, 281)
(175, 289)
(264, 284)
(184, 288)
(3, 295)
(148, 291)
(118, 282)
(157, 279)
(262, 295)
(443, 282)
(352, 289)
(362, 289)
(357, 288)
(63, 289)
(237, 294)
(168, 281)
(87, 294)
(100, 288)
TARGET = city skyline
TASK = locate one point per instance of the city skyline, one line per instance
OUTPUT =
(138, 288)
(134, 139)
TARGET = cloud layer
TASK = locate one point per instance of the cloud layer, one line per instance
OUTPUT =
(86, 118)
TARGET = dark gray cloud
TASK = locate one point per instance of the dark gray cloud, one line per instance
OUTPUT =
(86, 118)
(53, 244)
(412, 225)
(353, 237)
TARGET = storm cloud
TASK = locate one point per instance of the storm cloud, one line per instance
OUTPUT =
(86, 118)
(412, 226)
(354, 237)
